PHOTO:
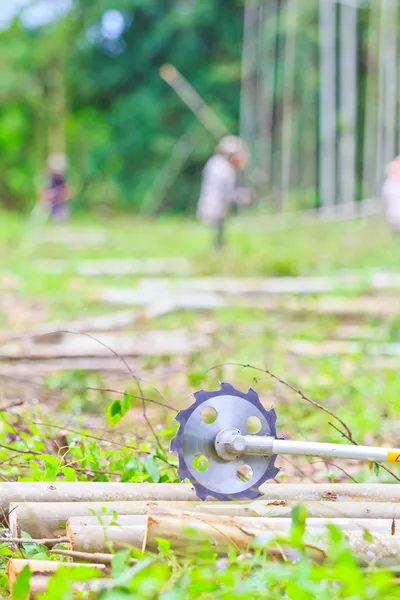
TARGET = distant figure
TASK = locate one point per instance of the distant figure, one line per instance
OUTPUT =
(220, 187)
(55, 196)
(391, 194)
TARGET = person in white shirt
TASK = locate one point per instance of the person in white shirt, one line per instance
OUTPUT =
(391, 194)
(220, 189)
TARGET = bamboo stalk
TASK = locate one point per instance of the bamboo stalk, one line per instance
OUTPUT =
(327, 43)
(184, 533)
(40, 519)
(91, 492)
(42, 567)
(348, 103)
(108, 521)
(90, 557)
(316, 518)
(350, 510)
(99, 493)
(39, 584)
(341, 492)
(99, 539)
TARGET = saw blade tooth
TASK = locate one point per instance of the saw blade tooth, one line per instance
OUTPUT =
(254, 399)
(201, 492)
(182, 472)
(202, 396)
(228, 388)
(272, 415)
(173, 445)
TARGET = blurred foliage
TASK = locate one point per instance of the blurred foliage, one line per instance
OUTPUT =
(106, 98)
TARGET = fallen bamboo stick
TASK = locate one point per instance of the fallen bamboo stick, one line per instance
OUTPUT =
(373, 525)
(371, 492)
(90, 557)
(150, 343)
(48, 519)
(161, 492)
(39, 584)
(43, 567)
(84, 538)
(95, 538)
(185, 533)
(349, 510)
(91, 492)
(108, 521)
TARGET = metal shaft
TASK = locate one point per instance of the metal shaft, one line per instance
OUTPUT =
(234, 444)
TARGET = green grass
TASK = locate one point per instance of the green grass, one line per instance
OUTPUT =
(365, 397)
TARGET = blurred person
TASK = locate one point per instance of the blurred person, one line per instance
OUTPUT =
(219, 188)
(391, 194)
(55, 195)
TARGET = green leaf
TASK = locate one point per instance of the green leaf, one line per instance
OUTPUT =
(22, 585)
(69, 473)
(120, 561)
(152, 468)
(115, 412)
(164, 546)
(367, 536)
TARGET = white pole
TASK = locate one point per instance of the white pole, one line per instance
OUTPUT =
(348, 103)
(265, 445)
(327, 43)
(336, 451)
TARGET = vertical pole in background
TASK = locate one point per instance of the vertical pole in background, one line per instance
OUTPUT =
(248, 102)
(390, 16)
(265, 90)
(291, 18)
(327, 151)
(371, 105)
(348, 103)
(380, 158)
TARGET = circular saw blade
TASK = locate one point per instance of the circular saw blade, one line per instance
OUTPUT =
(196, 438)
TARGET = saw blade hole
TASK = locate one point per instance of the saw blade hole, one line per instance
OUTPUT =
(200, 463)
(253, 425)
(245, 473)
(209, 415)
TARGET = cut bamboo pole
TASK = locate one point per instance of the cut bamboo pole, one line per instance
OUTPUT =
(237, 530)
(90, 557)
(100, 539)
(371, 524)
(39, 584)
(108, 521)
(42, 567)
(316, 517)
(350, 510)
(340, 492)
(91, 492)
(49, 518)
(160, 492)
(338, 347)
(184, 533)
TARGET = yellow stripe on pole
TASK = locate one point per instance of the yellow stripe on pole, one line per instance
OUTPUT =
(393, 456)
